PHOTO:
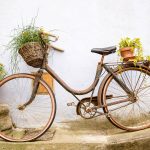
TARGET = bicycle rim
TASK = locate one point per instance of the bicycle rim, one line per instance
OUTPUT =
(33, 121)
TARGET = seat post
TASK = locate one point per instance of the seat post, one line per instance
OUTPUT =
(99, 67)
(102, 59)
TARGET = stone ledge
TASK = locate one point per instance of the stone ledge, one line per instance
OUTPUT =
(5, 119)
(4, 109)
(82, 135)
(143, 144)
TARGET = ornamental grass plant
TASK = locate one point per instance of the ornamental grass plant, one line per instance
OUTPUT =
(20, 37)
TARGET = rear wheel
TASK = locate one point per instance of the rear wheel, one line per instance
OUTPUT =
(33, 121)
(134, 114)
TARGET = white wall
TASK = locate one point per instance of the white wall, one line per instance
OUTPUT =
(81, 25)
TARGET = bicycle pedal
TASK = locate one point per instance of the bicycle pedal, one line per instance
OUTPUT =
(71, 104)
(109, 96)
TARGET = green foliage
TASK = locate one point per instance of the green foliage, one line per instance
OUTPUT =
(2, 72)
(25, 35)
(128, 42)
(136, 46)
(137, 49)
(148, 58)
(21, 36)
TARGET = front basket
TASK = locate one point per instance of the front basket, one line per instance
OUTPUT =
(32, 54)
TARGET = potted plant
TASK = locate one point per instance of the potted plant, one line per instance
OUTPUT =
(27, 42)
(2, 71)
(131, 49)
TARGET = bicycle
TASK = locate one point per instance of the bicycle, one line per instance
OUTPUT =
(123, 96)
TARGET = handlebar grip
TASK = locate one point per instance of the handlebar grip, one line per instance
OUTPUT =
(56, 48)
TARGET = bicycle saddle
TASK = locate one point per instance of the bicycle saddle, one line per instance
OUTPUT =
(104, 51)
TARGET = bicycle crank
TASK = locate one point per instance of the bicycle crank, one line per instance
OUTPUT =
(85, 108)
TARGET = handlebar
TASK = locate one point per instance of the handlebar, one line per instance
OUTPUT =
(46, 33)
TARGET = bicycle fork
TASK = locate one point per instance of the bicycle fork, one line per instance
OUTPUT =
(34, 91)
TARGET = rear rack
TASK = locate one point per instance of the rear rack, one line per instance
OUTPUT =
(130, 63)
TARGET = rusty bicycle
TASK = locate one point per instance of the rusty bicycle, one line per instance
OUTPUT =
(123, 95)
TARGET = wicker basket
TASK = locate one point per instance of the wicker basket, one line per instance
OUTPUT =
(32, 54)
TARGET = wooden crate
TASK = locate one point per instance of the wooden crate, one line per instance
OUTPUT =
(49, 80)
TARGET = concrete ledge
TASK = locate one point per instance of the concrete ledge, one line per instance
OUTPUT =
(5, 120)
(142, 144)
(85, 135)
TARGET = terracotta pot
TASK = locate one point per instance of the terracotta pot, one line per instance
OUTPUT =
(127, 52)
(129, 59)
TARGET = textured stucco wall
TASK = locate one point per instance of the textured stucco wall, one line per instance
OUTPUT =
(81, 25)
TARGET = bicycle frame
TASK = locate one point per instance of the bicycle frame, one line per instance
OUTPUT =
(77, 92)
(100, 67)
(74, 92)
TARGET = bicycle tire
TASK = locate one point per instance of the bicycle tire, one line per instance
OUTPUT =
(38, 116)
(131, 115)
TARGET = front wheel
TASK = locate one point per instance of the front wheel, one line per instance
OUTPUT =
(134, 114)
(31, 122)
